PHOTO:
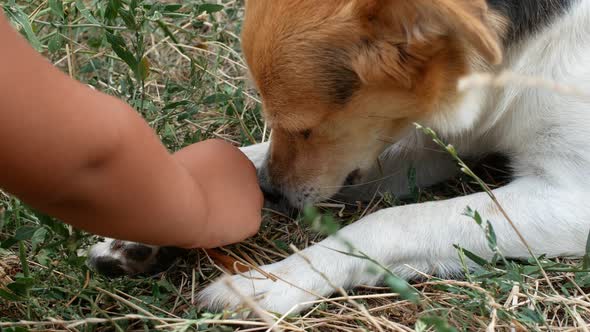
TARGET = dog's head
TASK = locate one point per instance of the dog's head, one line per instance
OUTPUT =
(341, 80)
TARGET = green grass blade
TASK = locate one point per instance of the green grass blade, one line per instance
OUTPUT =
(586, 262)
(16, 15)
(86, 12)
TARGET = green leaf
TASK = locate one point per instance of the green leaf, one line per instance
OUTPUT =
(156, 16)
(210, 8)
(439, 324)
(475, 258)
(188, 114)
(420, 326)
(128, 18)
(55, 43)
(282, 245)
(25, 233)
(216, 98)
(327, 226)
(96, 40)
(169, 131)
(323, 224)
(20, 18)
(402, 287)
(119, 47)
(57, 8)
(173, 88)
(586, 263)
(38, 237)
(86, 12)
(164, 8)
(55, 226)
(2, 219)
(133, 5)
(172, 8)
(168, 33)
(21, 286)
(310, 213)
(413, 185)
(565, 291)
(42, 217)
(473, 215)
(491, 236)
(43, 257)
(9, 296)
(112, 9)
(8, 243)
(531, 316)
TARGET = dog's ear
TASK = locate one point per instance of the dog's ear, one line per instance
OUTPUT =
(468, 18)
(423, 19)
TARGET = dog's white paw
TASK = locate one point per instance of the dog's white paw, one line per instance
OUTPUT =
(295, 285)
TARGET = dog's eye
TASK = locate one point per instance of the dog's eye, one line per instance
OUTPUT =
(306, 133)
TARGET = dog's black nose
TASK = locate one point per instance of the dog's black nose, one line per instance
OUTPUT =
(274, 199)
(353, 178)
(271, 195)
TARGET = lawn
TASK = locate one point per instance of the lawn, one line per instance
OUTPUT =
(179, 65)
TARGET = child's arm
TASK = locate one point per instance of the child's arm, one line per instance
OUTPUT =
(90, 160)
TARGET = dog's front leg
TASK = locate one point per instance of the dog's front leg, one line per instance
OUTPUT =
(414, 238)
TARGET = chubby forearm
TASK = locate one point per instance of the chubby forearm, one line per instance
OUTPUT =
(87, 158)
(137, 192)
(108, 175)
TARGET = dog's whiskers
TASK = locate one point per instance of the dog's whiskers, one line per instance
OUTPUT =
(390, 175)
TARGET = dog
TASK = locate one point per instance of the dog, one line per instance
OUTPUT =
(343, 82)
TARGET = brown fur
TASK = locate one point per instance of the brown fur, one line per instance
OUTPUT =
(341, 78)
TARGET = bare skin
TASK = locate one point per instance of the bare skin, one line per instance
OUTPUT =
(90, 160)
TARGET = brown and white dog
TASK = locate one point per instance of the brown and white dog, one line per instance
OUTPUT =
(343, 81)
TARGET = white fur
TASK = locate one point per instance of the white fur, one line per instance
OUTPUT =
(546, 134)
(106, 249)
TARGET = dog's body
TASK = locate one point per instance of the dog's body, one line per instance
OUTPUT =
(546, 134)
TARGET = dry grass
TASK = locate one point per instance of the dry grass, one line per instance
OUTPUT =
(197, 88)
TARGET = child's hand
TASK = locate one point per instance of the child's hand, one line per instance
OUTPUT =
(105, 171)
(229, 183)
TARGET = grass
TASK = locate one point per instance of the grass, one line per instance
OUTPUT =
(180, 66)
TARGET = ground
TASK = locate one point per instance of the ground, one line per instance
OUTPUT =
(180, 66)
